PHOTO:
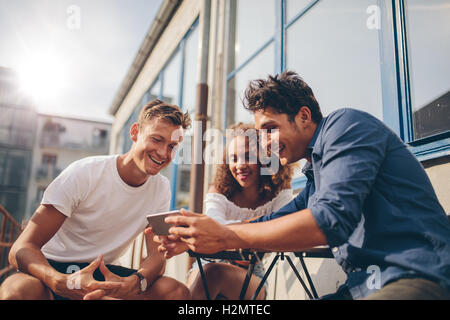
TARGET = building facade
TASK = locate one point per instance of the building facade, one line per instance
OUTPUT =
(17, 126)
(389, 58)
(59, 142)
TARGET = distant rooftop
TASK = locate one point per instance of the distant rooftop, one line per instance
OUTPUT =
(75, 117)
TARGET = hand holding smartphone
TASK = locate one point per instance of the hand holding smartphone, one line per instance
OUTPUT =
(159, 226)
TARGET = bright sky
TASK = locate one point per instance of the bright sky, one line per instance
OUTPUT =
(72, 55)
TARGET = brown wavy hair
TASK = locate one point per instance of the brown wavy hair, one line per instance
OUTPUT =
(285, 93)
(269, 185)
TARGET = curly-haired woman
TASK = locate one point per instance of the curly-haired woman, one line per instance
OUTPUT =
(239, 193)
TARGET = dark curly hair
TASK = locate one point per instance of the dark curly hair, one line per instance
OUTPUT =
(285, 93)
(269, 185)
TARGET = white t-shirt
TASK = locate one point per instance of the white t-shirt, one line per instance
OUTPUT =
(104, 214)
(218, 207)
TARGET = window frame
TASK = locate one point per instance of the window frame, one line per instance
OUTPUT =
(430, 147)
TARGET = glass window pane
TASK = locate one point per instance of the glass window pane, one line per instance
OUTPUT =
(171, 94)
(119, 142)
(190, 71)
(167, 172)
(183, 184)
(24, 119)
(429, 60)
(255, 25)
(23, 124)
(3, 162)
(16, 173)
(7, 116)
(335, 52)
(189, 100)
(295, 6)
(171, 80)
(155, 90)
(5, 136)
(21, 138)
(127, 142)
(14, 202)
(258, 68)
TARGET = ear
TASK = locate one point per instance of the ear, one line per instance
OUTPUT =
(303, 116)
(134, 131)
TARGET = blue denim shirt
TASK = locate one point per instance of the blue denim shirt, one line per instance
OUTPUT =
(375, 204)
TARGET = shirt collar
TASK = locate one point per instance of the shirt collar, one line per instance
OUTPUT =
(307, 170)
(314, 138)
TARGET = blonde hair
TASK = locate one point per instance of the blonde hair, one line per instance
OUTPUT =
(162, 110)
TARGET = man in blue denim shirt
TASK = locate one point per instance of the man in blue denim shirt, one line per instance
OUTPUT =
(374, 202)
(366, 196)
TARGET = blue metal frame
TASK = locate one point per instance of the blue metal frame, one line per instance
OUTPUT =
(280, 35)
(301, 13)
(430, 147)
(249, 59)
(403, 86)
(388, 68)
(174, 184)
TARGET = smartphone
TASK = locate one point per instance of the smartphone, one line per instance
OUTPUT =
(159, 226)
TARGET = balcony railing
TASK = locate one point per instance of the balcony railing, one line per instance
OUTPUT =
(10, 230)
(47, 173)
(97, 145)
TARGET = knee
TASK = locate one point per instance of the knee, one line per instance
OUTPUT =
(22, 287)
(171, 289)
(180, 292)
(213, 271)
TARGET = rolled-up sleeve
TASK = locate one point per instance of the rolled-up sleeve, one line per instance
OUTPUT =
(351, 150)
(297, 204)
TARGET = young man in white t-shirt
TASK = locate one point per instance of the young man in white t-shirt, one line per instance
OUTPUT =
(92, 212)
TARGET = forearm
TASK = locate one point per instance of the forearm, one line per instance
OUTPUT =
(151, 268)
(26, 254)
(154, 265)
(29, 259)
(293, 232)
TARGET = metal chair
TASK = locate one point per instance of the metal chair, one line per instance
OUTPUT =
(324, 252)
(254, 256)
(239, 255)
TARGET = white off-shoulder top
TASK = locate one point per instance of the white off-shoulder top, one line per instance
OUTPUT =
(218, 207)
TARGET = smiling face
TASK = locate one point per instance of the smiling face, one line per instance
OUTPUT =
(293, 136)
(154, 144)
(242, 161)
